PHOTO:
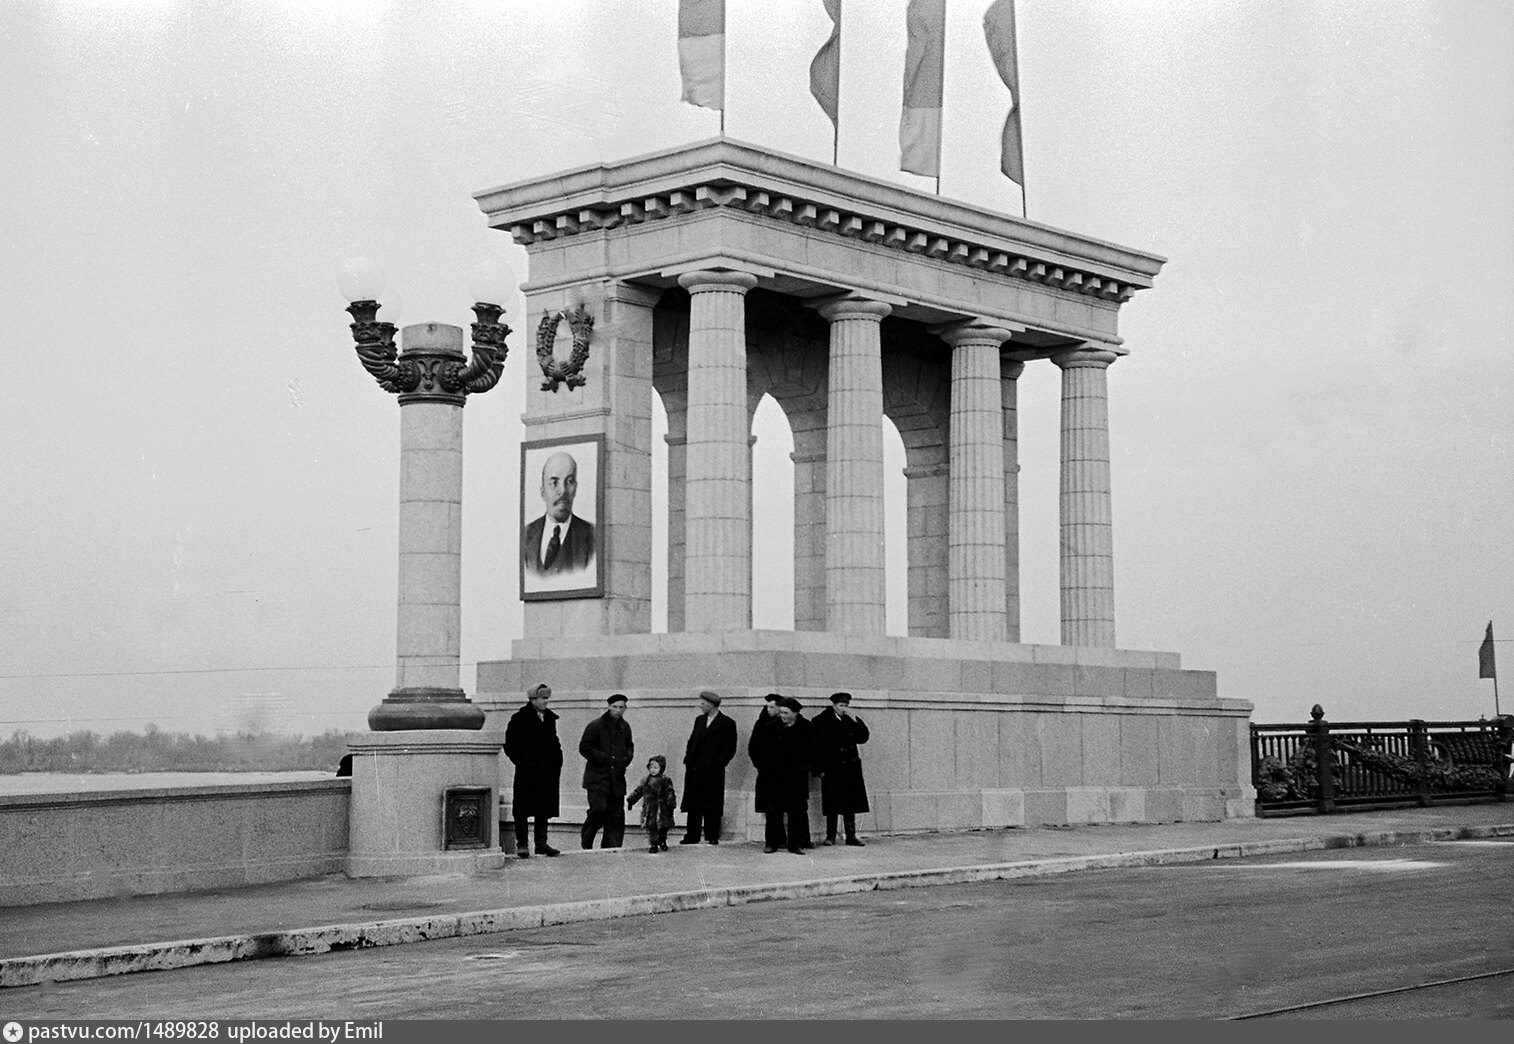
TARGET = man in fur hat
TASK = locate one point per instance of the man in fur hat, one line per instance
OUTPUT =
(532, 746)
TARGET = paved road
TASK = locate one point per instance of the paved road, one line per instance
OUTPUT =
(1208, 940)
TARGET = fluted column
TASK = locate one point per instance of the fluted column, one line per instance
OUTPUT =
(975, 528)
(855, 592)
(1009, 386)
(717, 488)
(809, 528)
(1086, 516)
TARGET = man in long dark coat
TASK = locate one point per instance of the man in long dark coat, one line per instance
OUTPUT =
(759, 749)
(711, 746)
(607, 749)
(838, 733)
(790, 759)
(532, 745)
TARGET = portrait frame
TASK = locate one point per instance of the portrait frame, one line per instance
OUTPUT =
(587, 506)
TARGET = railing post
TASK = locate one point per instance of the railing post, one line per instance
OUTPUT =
(1419, 747)
(1324, 764)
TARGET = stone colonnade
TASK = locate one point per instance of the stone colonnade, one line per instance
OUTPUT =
(710, 513)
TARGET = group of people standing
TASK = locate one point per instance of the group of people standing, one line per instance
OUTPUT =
(786, 748)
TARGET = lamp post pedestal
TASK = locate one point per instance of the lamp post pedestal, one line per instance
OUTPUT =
(425, 780)
(424, 802)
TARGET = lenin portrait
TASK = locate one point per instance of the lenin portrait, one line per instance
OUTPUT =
(560, 494)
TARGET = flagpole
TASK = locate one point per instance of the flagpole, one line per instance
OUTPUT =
(941, 122)
(836, 127)
(1020, 104)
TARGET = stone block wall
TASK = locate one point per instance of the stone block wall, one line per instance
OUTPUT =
(65, 847)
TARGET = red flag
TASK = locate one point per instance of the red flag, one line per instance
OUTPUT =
(924, 53)
(825, 69)
(701, 52)
(1485, 666)
(999, 31)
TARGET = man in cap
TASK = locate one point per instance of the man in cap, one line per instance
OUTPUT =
(532, 745)
(838, 733)
(711, 746)
(759, 749)
(607, 749)
(790, 761)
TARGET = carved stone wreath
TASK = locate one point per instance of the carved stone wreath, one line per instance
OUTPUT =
(570, 372)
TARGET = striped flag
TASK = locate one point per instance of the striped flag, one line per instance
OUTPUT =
(825, 70)
(1485, 665)
(701, 52)
(920, 123)
(999, 31)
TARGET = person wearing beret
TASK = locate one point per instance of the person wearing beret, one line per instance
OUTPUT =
(790, 759)
(837, 734)
(759, 749)
(532, 746)
(607, 749)
(711, 746)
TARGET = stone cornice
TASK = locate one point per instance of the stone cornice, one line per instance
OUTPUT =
(727, 174)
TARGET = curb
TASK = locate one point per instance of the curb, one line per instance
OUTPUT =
(163, 956)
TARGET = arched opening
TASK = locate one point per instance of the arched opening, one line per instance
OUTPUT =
(772, 518)
(659, 516)
(895, 532)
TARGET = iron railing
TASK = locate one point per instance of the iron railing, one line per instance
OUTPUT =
(1379, 763)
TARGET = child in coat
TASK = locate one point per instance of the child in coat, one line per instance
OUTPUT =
(657, 809)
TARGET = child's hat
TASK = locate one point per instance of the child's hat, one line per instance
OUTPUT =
(660, 760)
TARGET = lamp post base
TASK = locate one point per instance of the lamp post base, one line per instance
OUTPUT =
(413, 709)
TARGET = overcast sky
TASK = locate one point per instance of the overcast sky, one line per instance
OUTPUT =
(1311, 435)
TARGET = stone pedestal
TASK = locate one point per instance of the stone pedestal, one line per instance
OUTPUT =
(965, 735)
(399, 784)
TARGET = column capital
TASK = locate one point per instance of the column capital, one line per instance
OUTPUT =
(974, 332)
(711, 280)
(852, 306)
(1010, 369)
(1090, 354)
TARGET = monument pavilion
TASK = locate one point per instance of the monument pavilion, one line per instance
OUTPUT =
(712, 274)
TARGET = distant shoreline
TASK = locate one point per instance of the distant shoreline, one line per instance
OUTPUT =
(12, 784)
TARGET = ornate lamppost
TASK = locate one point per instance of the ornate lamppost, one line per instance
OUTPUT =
(433, 379)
